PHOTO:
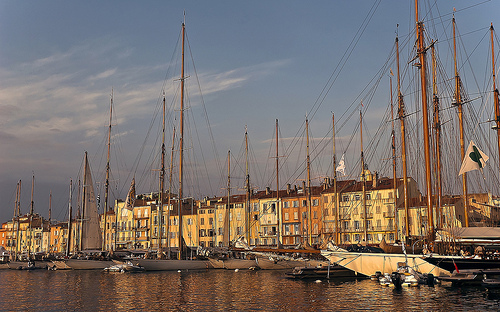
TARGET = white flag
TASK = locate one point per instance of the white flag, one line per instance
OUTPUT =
(130, 201)
(341, 167)
(474, 159)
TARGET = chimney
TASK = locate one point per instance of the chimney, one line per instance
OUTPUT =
(268, 190)
(304, 186)
(375, 179)
(325, 184)
(288, 188)
(295, 188)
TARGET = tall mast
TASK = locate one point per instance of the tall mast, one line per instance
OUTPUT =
(228, 208)
(247, 182)
(335, 206)
(394, 175)
(401, 115)
(106, 184)
(423, 84)
(309, 212)
(84, 208)
(13, 223)
(18, 216)
(278, 202)
(437, 129)
(495, 90)
(459, 104)
(70, 212)
(32, 210)
(162, 184)
(363, 178)
(50, 220)
(181, 146)
(170, 191)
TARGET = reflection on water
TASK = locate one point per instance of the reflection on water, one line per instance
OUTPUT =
(221, 290)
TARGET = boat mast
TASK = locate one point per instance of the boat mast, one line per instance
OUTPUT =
(278, 202)
(335, 206)
(394, 175)
(401, 115)
(50, 220)
(247, 182)
(495, 90)
(106, 184)
(32, 210)
(437, 129)
(309, 212)
(423, 84)
(13, 223)
(162, 184)
(363, 178)
(228, 207)
(70, 212)
(459, 104)
(181, 146)
(18, 195)
(170, 192)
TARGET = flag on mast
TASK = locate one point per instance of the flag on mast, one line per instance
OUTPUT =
(341, 167)
(474, 159)
(129, 202)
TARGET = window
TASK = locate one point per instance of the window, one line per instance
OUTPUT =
(356, 225)
(325, 199)
(238, 216)
(255, 206)
(220, 217)
(368, 196)
(287, 229)
(210, 221)
(325, 213)
(368, 237)
(156, 220)
(295, 215)
(295, 203)
(357, 197)
(273, 207)
(256, 217)
(357, 237)
(304, 203)
(346, 237)
(286, 216)
(264, 207)
(296, 228)
(345, 198)
(221, 231)
(377, 209)
(285, 204)
(202, 221)
(315, 214)
(190, 221)
(315, 229)
(315, 202)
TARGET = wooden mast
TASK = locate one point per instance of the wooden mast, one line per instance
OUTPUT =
(363, 180)
(70, 212)
(50, 220)
(335, 206)
(459, 104)
(247, 182)
(495, 91)
(394, 175)
(437, 129)
(401, 116)
(16, 214)
(162, 185)
(181, 148)
(425, 120)
(309, 214)
(32, 211)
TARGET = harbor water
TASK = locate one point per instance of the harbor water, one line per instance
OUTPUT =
(224, 290)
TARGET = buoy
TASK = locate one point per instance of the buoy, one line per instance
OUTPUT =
(236, 270)
(178, 271)
(318, 281)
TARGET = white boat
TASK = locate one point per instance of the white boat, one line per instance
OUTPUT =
(124, 267)
(275, 262)
(371, 263)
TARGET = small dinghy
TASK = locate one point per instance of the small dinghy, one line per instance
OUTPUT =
(124, 267)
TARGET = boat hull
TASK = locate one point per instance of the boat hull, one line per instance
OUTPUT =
(266, 263)
(82, 264)
(451, 263)
(24, 265)
(233, 264)
(334, 272)
(171, 265)
(370, 263)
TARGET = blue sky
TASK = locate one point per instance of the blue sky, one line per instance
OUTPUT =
(256, 61)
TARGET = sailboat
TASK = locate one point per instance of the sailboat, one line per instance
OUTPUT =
(174, 264)
(91, 257)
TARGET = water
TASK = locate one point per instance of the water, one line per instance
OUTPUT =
(223, 290)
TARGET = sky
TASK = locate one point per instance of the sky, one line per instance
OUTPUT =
(254, 62)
